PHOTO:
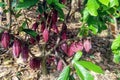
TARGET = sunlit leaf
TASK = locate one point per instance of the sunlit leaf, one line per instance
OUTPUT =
(65, 74)
(116, 58)
(91, 66)
(26, 4)
(77, 56)
(82, 73)
(92, 7)
(114, 3)
(116, 43)
(105, 2)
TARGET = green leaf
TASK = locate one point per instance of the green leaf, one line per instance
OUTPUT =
(92, 7)
(85, 15)
(65, 74)
(116, 58)
(114, 3)
(77, 56)
(26, 4)
(24, 25)
(21, 0)
(93, 29)
(49, 1)
(40, 8)
(60, 5)
(60, 11)
(82, 73)
(83, 31)
(116, 43)
(91, 66)
(105, 2)
(30, 32)
(2, 4)
(71, 77)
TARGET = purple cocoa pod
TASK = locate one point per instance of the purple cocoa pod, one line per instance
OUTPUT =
(64, 36)
(35, 26)
(64, 31)
(45, 35)
(34, 63)
(87, 45)
(77, 46)
(54, 16)
(60, 65)
(42, 26)
(24, 53)
(55, 28)
(16, 48)
(71, 50)
(5, 39)
(64, 47)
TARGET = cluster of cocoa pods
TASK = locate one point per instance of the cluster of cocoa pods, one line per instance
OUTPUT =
(19, 48)
(76, 46)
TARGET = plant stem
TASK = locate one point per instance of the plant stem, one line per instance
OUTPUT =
(8, 2)
(44, 68)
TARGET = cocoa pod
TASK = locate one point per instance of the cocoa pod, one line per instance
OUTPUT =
(87, 45)
(54, 16)
(60, 65)
(24, 53)
(35, 26)
(64, 47)
(42, 26)
(34, 63)
(45, 35)
(5, 39)
(16, 48)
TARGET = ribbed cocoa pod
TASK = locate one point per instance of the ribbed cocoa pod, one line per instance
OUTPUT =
(24, 53)
(70, 50)
(87, 45)
(5, 39)
(77, 46)
(63, 36)
(74, 47)
(42, 26)
(35, 26)
(60, 65)
(45, 35)
(64, 47)
(64, 31)
(16, 48)
(54, 16)
(34, 63)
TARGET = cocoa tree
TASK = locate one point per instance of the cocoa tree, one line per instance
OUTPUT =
(54, 44)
